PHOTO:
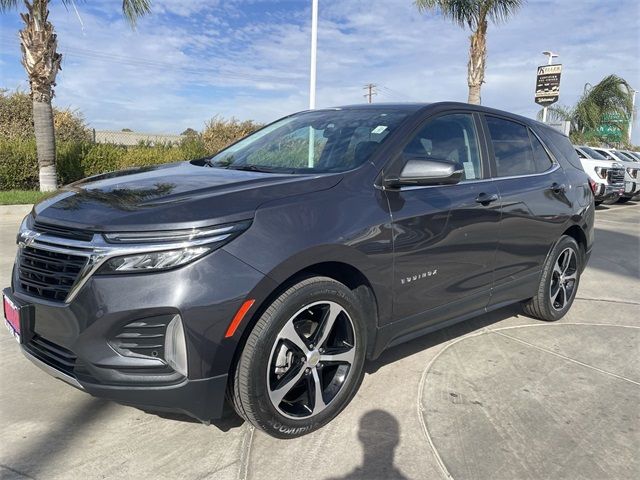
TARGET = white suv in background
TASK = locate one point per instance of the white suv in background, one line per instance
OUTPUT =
(631, 180)
(607, 175)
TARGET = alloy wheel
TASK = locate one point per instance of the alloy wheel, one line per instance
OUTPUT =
(311, 360)
(563, 279)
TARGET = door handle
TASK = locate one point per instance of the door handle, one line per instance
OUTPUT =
(558, 188)
(486, 199)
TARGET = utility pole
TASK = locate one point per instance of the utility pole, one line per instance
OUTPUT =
(551, 56)
(370, 87)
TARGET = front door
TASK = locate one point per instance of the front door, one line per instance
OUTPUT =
(445, 237)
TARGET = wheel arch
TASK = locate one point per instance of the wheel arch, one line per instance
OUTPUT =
(340, 271)
(578, 234)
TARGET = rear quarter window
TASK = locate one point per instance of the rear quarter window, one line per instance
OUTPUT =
(561, 147)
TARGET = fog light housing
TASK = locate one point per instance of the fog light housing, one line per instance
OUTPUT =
(175, 346)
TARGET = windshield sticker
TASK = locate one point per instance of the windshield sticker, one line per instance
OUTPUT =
(469, 171)
(379, 129)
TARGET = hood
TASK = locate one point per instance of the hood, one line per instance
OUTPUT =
(172, 196)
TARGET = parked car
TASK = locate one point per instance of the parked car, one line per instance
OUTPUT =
(631, 180)
(606, 176)
(634, 157)
(270, 272)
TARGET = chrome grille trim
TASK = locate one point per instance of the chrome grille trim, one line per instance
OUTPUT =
(97, 251)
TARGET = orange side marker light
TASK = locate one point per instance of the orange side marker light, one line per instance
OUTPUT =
(242, 311)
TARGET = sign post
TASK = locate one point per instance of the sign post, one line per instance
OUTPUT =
(548, 86)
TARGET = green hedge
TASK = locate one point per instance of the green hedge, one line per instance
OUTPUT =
(76, 160)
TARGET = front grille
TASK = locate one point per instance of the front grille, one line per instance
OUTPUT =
(64, 232)
(47, 274)
(615, 175)
(54, 355)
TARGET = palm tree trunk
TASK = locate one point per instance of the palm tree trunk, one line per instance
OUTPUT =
(45, 144)
(477, 60)
(42, 62)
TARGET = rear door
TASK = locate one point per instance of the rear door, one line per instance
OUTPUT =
(444, 238)
(534, 205)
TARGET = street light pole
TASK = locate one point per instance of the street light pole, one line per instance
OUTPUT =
(314, 49)
(633, 109)
(551, 56)
(312, 79)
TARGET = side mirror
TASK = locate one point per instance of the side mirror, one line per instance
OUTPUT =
(422, 171)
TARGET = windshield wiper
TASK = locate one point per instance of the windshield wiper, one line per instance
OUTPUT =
(218, 164)
(258, 168)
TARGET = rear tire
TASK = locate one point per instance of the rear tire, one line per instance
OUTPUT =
(558, 283)
(598, 202)
(624, 199)
(303, 360)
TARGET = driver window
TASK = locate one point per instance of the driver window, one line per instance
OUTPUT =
(451, 138)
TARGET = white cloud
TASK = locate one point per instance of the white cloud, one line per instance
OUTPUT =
(191, 60)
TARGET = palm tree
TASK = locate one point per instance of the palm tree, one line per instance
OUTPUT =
(610, 102)
(476, 15)
(41, 61)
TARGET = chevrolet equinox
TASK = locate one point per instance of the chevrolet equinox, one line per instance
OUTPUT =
(268, 274)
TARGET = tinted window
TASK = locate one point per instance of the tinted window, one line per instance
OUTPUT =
(511, 147)
(580, 154)
(592, 153)
(541, 158)
(606, 154)
(452, 138)
(561, 146)
(626, 156)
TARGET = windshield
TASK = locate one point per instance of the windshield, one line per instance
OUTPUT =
(627, 156)
(592, 153)
(320, 141)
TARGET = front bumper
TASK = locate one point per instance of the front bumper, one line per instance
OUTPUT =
(77, 342)
(631, 188)
(608, 191)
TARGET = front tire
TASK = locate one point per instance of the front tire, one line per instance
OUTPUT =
(558, 283)
(624, 199)
(303, 360)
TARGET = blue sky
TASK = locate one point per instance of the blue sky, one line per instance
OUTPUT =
(192, 60)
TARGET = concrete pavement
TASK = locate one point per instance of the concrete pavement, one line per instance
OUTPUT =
(500, 396)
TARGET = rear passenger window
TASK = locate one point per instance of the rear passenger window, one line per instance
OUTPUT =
(516, 153)
(541, 158)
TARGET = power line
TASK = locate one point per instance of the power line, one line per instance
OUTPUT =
(394, 93)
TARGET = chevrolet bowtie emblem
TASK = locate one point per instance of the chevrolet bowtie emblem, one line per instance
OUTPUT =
(26, 238)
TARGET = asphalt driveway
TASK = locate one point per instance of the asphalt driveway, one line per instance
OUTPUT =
(502, 396)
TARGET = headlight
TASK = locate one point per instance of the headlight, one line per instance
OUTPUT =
(145, 262)
(139, 252)
(633, 172)
(25, 226)
(211, 234)
(601, 172)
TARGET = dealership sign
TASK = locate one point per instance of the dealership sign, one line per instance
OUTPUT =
(548, 84)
